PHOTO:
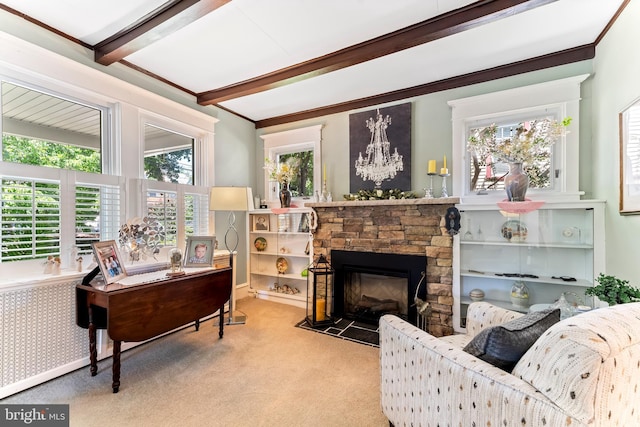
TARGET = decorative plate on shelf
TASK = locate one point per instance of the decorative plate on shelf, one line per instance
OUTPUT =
(282, 265)
(260, 244)
(514, 231)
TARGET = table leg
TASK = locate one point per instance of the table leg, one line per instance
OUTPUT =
(93, 352)
(116, 366)
(197, 324)
(221, 332)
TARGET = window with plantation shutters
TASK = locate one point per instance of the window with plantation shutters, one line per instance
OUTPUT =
(30, 219)
(196, 214)
(162, 206)
(182, 212)
(97, 210)
(63, 181)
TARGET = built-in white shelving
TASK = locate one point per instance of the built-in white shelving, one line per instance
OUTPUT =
(285, 235)
(496, 247)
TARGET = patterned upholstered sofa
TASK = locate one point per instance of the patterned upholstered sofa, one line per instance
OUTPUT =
(583, 371)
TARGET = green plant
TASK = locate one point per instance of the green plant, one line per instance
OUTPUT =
(613, 290)
(377, 194)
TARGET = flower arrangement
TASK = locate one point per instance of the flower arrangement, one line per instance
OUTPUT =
(284, 172)
(378, 194)
(530, 141)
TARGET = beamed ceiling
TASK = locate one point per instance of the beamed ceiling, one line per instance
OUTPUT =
(279, 61)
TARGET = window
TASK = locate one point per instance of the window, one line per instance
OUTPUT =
(87, 217)
(62, 173)
(46, 130)
(182, 209)
(174, 194)
(51, 182)
(488, 173)
(168, 156)
(302, 144)
(302, 185)
(555, 175)
(30, 218)
(196, 211)
(36, 211)
(163, 207)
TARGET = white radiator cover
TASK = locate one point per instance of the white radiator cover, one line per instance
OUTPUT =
(39, 338)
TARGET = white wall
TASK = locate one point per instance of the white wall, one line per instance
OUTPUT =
(616, 84)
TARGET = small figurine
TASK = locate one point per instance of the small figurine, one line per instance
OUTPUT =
(56, 266)
(79, 263)
(48, 265)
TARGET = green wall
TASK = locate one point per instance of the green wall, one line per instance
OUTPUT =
(616, 84)
(431, 133)
(613, 85)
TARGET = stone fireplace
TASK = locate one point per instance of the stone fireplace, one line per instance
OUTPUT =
(407, 226)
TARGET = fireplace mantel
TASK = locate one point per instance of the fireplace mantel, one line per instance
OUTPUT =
(398, 226)
(387, 202)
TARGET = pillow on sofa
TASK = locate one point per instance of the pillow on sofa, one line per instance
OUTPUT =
(505, 344)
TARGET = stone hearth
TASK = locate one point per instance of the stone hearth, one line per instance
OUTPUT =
(409, 226)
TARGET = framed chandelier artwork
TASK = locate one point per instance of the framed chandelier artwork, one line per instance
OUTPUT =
(380, 148)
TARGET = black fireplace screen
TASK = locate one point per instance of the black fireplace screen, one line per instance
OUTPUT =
(368, 285)
(369, 296)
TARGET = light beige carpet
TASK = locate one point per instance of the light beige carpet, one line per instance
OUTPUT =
(264, 373)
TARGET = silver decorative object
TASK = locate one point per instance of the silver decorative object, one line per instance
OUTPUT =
(141, 237)
(428, 192)
(445, 192)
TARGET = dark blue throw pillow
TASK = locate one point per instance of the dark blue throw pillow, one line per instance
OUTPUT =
(505, 344)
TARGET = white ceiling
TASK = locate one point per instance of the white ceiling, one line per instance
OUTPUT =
(244, 39)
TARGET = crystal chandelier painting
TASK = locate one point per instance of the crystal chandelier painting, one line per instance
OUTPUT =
(378, 164)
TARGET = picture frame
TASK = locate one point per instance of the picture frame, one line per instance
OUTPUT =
(260, 222)
(194, 256)
(629, 128)
(109, 260)
(393, 125)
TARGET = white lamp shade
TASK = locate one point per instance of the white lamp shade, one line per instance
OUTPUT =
(230, 198)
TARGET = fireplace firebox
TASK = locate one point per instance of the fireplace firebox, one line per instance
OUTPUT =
(368, 285)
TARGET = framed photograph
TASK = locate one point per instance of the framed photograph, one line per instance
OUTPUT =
(199, 252)
(260, 222)
(629, 122)
(109, 260)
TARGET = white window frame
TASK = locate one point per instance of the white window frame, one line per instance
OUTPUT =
(69, 179)
(124, 106)
(560, 98)
(201, 155)
(293, 141)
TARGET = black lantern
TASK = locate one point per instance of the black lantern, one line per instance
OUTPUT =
(320, 293)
